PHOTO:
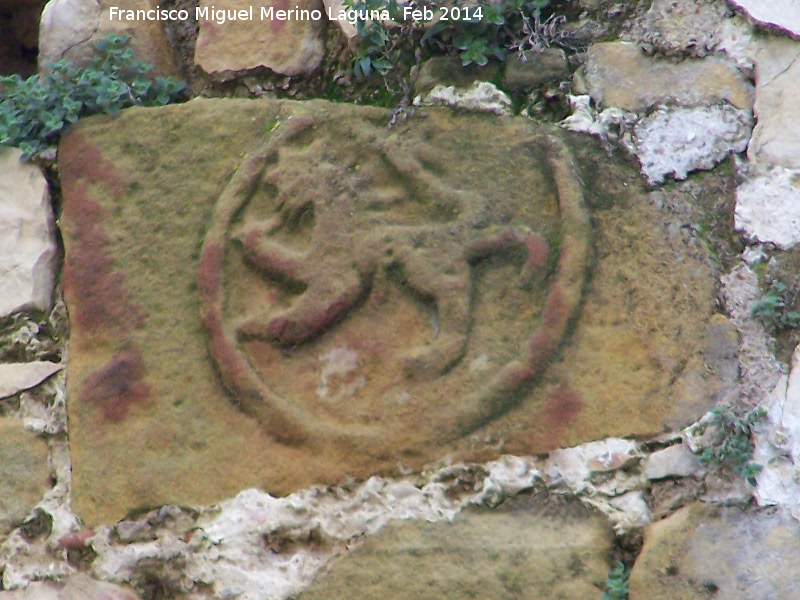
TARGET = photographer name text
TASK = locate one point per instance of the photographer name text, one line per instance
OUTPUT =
(221, 16)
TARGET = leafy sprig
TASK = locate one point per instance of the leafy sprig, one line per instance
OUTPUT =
(36, 111)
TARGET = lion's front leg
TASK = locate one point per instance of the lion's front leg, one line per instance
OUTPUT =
(327, 300)
(448, 285)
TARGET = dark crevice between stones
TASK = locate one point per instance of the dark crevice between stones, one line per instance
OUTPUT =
(19, 36)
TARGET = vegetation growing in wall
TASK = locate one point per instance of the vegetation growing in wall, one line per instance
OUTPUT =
(475, 33)
(617, 583)
(732, 446)
(776, 308)
(36, 111)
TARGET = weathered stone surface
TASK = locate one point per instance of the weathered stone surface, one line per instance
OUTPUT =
(711, 375)
(705, 551)
(70, 28)
(448, 71)
(677, 140)
(675, 461)
(682, 27)
(768, 208)
(777, 443)
(18, 377)
(75, 587)
(481, 96)
(23, 471)
(620, 74)
(441, 322)
(517, 552)
(781, 14)
(348, 29)
(288, 47)
(28, 251)
(776, 137)
(537, 68)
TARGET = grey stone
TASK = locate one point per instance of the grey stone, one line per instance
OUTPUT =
(682, 27)
(768, 208)
(677, 140)
(781, 14)
(28, 251)
(75, 587)
(18, 377)
(706, 551)
(675, 461)
(481, 96)
(776, 137)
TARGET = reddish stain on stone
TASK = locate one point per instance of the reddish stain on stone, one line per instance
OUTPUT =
(563, 405)
(230, 363)
(209, 276)
(277, 24)
(289, 332)
(537, 251)
(94, 289)
(276, 265)
(118, 385)
(78, 159)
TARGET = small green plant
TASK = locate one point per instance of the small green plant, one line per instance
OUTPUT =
(774, 310)
(35, 112)
(476, 33)
(732, 447)
(617, 583)
(502, 25)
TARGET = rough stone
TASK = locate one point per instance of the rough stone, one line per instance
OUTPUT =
(682, 27)
(710, 375)
(74, 587)
(777, 443)
(781, 14)
(28, 251)
(325, 396)
(760, 370)
(768, 208)
(677, 140)
(70, 28)
(776, 137)
(675, 461)
(448, 71)
(23, 471)
(705, 551)
(515, 552)
(619, 74)
(18, 377)
(611, 125)
(535, 69)
(349, 30)
(290, 47)
(575, 466)
(481, 96)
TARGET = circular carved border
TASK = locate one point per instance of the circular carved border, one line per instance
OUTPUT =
(294, 424)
